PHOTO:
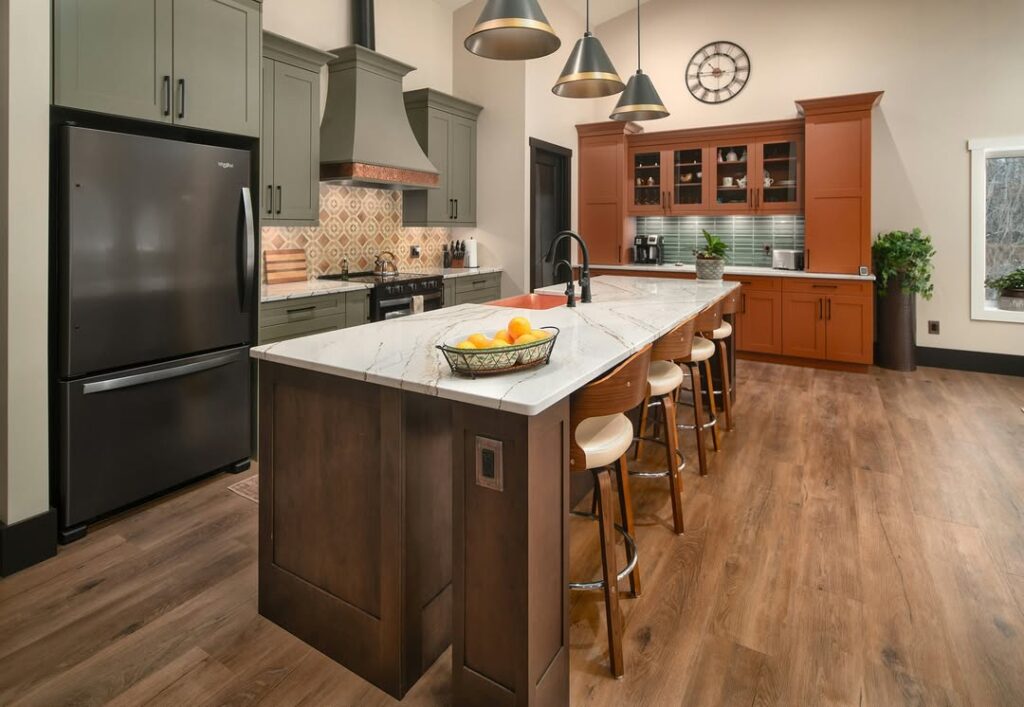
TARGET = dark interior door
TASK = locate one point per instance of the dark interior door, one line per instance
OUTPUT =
(155, 250)
(550, 208)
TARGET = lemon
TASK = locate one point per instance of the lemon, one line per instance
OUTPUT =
(467, 344)
(526, 339)
(518, 327)
(479, 341)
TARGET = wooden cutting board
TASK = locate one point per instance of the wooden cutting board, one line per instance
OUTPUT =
(284, 265)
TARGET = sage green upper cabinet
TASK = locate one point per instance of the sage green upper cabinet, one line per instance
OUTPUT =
(194, 63)
(217, 65)
(290, 148)
(445, 128)
(113, 56)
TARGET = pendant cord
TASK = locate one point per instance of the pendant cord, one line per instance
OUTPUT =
(638, 35)
(588, 16)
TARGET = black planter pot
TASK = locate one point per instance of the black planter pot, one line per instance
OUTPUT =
(897, 327)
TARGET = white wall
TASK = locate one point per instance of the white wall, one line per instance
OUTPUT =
(417, 32)
(24, 236)
(950, 71)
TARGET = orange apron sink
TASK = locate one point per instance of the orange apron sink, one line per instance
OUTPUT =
(531, 301)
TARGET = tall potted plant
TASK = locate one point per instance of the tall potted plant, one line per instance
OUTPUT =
(711, 258)
(903, 266)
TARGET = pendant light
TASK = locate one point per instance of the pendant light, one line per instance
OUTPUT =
(589, 72)
(639, 101)
(512, 29)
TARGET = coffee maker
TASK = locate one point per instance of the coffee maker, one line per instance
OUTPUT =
(647, 250)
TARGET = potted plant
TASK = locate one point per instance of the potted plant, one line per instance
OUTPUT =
(903, 266)
(1011, 290)
(711, 258)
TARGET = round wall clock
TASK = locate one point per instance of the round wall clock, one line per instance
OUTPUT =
(717, 72)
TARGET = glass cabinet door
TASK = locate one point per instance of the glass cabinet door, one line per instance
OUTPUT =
(688, 170)
(779, 178)
(732, 190)
(645, 177)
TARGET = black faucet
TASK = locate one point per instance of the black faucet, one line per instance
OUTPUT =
(585, 271)
(570, 291)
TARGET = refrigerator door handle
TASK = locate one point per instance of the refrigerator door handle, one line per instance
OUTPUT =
(154, 376)
(248, 249)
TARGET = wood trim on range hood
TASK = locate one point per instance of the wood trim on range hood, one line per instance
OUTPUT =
(365, 137)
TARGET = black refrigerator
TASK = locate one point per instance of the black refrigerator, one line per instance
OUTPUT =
(155, 280)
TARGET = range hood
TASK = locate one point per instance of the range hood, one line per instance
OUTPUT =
(365, 137)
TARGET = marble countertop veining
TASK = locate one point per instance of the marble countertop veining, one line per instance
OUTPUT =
(314, 287)
(752, 270)
(627, 313)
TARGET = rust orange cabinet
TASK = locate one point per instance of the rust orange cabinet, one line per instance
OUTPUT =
(602, 194)
(759, 322)
(849, 328)
(803, 325)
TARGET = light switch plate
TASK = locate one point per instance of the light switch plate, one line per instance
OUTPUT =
(489, 469)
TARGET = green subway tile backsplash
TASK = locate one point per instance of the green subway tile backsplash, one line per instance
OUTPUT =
(747, 236)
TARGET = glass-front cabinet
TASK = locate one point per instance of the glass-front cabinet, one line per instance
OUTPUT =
(668, 181)
(647, 183)
(780, 175)
(689, 194)
(733, 170)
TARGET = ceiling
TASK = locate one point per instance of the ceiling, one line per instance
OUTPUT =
(600, 10)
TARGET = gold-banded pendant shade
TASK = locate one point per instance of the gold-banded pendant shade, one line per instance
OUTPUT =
(639, 101)
(588, 73)
(512, 30)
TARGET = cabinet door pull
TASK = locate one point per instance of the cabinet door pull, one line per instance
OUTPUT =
(167, 95)
(296, 310)
(181, 98)
(451, 208)
(280, 197)
(807, 259)
(479, 282)
(821, 308)
(270, 198)
(743, 303)
(456, 209)
(829, 309)
(825, 287)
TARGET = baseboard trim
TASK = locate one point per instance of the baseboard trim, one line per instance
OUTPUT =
(27, 542)
(977, 361)
(804, 362)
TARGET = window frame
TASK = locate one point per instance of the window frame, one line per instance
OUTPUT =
(981, 151)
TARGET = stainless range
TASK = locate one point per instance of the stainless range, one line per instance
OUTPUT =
(396, 294)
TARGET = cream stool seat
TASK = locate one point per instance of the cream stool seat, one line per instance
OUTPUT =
(703, 349)
(722, 332)
(604, 440)
(664, 377)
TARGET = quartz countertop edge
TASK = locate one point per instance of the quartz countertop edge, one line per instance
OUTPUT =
(627, 314)
(314, 287)
(751, 270)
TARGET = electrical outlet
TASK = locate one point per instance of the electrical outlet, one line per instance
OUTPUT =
(767, 247)
(933, 326)
(414, 251)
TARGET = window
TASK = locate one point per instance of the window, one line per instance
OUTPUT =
(997, 220)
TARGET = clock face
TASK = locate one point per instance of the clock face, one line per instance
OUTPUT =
(717, 72)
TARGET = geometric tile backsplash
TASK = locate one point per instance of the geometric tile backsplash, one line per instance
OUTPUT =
(747, 236)
(355, 225)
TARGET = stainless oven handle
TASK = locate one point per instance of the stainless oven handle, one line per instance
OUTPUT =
(154, 376)
(387, 303)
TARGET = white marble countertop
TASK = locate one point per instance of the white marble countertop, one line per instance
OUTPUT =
(738, 270)
(627, 313)
(314, 287)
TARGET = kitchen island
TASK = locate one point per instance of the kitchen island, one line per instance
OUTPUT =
(403, 508)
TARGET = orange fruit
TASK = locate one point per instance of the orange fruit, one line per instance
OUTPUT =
(526, 339)
(467, 344)
(540, 333)
(480, 341)
(497, 343)
(518, 327)
(503, 335)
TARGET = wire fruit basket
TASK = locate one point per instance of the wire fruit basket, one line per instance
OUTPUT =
(487, 362)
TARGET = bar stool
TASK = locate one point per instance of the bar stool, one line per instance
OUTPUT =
(601, 435)
(720, 337)
(700, 353)
(664, 380)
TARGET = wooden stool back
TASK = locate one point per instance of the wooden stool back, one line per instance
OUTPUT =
(618, 391)
(711, 318)
(731, 303)
(675, 345)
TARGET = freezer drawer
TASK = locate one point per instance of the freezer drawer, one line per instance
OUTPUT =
(131, 434)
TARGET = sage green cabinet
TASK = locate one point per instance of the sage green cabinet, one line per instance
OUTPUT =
(303, 316)
(290, 148)
(472, 289)
(194, 63)
(114, 56)
(445, 128)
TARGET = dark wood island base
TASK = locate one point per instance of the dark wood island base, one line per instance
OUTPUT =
(369, 553)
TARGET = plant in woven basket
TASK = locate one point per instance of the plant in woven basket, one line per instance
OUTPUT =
(711, 258)
(904, 260)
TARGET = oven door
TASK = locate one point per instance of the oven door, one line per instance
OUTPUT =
(403, 306)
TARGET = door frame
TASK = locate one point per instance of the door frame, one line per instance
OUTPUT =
(565, 154)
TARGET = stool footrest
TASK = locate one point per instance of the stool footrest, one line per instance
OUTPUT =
(631, 550)
(658, 474)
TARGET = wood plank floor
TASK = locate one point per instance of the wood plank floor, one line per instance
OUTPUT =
(859, 541)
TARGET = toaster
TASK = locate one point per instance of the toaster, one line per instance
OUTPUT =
(788, 259)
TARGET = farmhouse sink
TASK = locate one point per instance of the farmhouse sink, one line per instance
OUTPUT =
(531, 301)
